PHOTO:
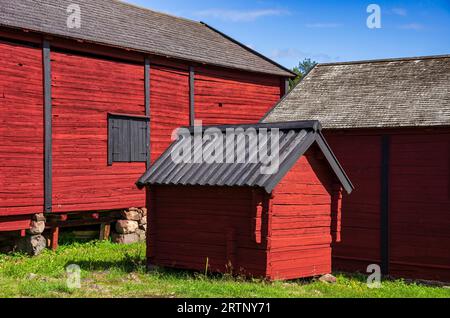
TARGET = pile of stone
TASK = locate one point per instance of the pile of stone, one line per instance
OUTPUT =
(132, 227)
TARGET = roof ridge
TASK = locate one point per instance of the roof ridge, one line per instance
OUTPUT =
(385, 60)
(136, 6)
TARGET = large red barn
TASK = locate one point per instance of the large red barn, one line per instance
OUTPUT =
(85, 109)
(388, 121)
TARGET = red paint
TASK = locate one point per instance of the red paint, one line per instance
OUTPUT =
(82, 180)
(419, 200)
(233, 97)
(84, 89)
(21, 130)
(169, 105)
(245, 229)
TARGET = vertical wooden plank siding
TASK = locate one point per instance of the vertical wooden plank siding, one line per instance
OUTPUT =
(384, 205)
(85, 89)
(21, 130)
(232, 97)
(47, 126)
(301, 221)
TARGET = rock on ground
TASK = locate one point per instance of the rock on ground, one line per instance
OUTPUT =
(125, 238)
(126, 226)
(32, 245)
(141, 234)
(327, 278)
(132, 215)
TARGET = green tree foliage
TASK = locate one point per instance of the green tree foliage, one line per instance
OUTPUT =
(301, 70)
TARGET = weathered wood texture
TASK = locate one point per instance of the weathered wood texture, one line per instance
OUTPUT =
(21, 130)
(419, 202)
(169, 105)
(300, 237)
(232, 97)
(195, 223)
(85, 89)
(360, 233)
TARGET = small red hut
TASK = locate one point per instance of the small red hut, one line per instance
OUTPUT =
(208, 209)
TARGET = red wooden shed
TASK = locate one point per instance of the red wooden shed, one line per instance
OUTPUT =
(230, 216)
(85, 110)
(389, 123)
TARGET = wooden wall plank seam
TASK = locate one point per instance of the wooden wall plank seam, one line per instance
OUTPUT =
(47, 125)
(384, 200)
(147, 106)
(191, 96)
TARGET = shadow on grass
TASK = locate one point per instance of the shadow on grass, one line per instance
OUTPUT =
(129, 263)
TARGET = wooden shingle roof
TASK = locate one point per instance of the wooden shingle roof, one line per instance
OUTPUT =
(409, 92)
(118, 24)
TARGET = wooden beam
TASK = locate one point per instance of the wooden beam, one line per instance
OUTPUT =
(191, 96)
(105, 231)
(147, 106)
(54, 238)
(47, 126)
(384, 205)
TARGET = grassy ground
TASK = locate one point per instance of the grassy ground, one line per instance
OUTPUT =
(110, 270)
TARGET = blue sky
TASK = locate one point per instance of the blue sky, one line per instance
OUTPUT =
(326, 31)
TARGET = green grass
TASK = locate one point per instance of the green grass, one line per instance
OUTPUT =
(111, 270)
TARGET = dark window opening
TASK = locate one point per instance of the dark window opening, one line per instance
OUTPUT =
(128, 138)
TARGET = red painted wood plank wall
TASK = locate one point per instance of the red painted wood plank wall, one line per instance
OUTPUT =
(193, 224)
(21, 130)
(419, 201)
(232, 97)
(300, 238)
(84, 89)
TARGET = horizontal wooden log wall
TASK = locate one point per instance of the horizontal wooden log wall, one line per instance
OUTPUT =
(360, 233)
(84, 91)
(169, 105)
(419, 202)
(195, 223)
(300, 239)
(85, 87)
(230, 97)
(21, 130)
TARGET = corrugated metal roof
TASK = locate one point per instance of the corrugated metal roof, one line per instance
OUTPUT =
(293, 138)
(118, 24)
(408, 92)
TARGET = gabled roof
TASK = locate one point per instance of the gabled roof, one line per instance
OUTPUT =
(408, 92)
(294, 139)
(122, 25)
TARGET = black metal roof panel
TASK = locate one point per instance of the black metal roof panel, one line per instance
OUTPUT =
(190, 167)
(122, 25)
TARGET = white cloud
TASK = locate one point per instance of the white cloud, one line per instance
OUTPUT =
(240, 15)
(399, 11)
(323, 25)
(412, 26)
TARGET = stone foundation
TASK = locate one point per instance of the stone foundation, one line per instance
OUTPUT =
(128, 226)
(131, 228)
